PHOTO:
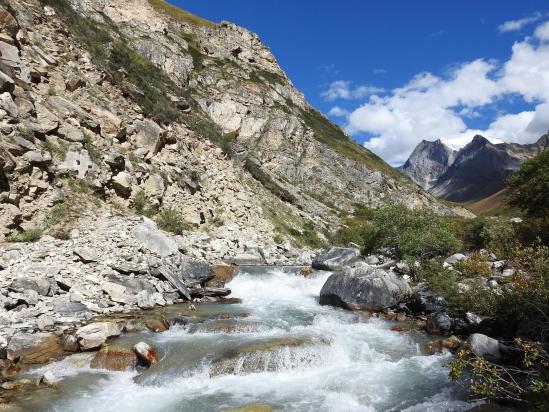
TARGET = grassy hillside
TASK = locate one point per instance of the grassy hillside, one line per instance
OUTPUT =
(176, 13)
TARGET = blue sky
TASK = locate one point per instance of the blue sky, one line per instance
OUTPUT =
(453, 64)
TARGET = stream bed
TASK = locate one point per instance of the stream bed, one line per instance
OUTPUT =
(279, 348)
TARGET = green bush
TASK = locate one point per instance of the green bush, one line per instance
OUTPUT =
(420, 233)
(356, 225)
(460, 294)
(171, 221)
(529, 187)
(499, 236)
(30, 235)
(474, 266)
(142, 206)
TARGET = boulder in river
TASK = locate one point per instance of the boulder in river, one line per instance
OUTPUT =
(114, 359)
(364, 288)
(157, 325)
(146, 353)
(95, 334)
(34, 348)
(336, 258)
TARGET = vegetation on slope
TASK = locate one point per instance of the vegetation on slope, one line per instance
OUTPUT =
(331, 135)
(176, 13)
(147, 84)
(136, 75)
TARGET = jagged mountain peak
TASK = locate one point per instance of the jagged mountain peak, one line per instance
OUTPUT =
(428, 161)
(477, 170)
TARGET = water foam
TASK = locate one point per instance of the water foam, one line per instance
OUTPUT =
(344, 363)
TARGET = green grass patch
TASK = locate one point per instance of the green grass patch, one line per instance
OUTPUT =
(171, 221)
(93, 151)
(301, 231)
(30, 235)
(261, 76)
(57, 149)
(180, 15)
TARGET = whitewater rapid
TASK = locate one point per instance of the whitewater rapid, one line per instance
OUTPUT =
(342, 361)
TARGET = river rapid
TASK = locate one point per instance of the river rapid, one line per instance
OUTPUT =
(278, 348)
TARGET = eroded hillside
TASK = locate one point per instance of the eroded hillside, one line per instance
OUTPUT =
(144, 107)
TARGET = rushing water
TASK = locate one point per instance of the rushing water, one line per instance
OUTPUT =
(289, 353)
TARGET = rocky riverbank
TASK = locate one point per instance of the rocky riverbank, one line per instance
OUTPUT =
(383, 287)
(112, 264)
(208, 354)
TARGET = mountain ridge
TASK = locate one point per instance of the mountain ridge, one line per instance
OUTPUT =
(476, 171)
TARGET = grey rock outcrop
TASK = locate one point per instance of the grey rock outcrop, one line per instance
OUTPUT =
(364, 288)
(156, 242)
(336, 258)
(428, 162)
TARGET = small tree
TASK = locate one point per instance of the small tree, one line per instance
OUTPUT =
(530, 186)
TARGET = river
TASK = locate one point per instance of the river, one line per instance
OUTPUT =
(278, 348)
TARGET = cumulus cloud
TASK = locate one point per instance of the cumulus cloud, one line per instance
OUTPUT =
(514, 25)
(343, 89)
(431, 107)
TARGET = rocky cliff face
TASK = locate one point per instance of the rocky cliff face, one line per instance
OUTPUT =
(137, 105)
(474, 172)
(428, 162)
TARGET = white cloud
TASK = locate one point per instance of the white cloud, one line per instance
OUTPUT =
(514, 25)
(431, 107)
(379, 71)
(338, 112)
(542, 32)
(342, 89)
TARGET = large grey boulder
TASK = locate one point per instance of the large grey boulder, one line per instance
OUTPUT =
(364, 288)
(336, 258)
(154, 240)
(485, 346)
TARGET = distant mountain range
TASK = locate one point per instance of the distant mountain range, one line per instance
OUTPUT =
(474, 172)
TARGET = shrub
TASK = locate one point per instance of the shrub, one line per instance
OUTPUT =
(142, 205)
(475, 266)
(459, 295)
(419, 233)
(30, 235)
(170, 220)
(356, 225)
(529, 382)
(529, 187)
(499, 236)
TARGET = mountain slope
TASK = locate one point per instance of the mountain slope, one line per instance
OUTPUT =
(141, 105)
